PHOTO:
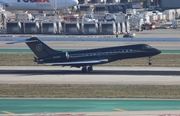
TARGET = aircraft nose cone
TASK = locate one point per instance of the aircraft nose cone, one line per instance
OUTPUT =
(157, 51)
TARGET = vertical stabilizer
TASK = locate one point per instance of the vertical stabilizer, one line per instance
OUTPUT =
(39, 48)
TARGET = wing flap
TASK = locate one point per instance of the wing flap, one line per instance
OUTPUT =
(79, 62)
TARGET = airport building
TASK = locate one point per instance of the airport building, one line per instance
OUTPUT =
(94, 17)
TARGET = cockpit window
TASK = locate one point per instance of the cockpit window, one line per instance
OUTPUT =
(147, 47)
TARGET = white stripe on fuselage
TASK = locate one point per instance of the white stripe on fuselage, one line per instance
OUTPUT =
(79, 62)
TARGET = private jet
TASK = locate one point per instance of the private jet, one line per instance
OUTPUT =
(87, 58)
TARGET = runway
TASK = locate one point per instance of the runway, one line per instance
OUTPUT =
(161, 39)
(100, 75)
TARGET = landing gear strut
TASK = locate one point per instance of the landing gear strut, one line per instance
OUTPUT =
(87, 69)
(150, 61)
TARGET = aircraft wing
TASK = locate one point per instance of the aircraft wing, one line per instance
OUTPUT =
(4, 4)
(80, 62)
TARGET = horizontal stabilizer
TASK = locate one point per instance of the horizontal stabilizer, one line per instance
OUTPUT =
(22, 41)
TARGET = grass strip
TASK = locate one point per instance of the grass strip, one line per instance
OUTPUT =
(26, 59)
(89, 91)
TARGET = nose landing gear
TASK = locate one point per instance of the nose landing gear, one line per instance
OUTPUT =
(150, 60)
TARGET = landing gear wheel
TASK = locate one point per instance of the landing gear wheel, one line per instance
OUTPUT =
(87, 69)
(84, 69)
(150, 61)
(90, 68)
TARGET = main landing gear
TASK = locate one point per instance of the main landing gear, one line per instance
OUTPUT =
(87, 69)
(150, 60)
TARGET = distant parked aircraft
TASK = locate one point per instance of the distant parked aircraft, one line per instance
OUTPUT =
(87, 58)
(38, 5)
